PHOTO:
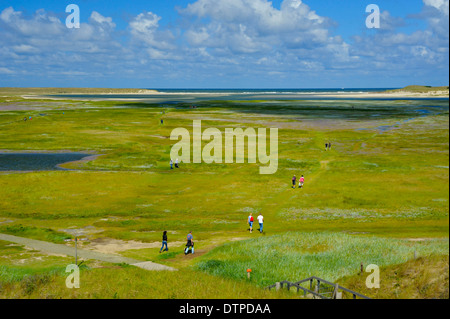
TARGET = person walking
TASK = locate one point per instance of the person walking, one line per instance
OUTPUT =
(301, 181)
(294, 180)
(260, 221)
(164, 242)
(176, 163)
(190, 243)
(250, 222)
(171, 164)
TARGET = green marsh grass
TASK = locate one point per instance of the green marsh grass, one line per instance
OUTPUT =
(390, 183)
(426, 277)
(295, 256)
(18, 263)
(46, 234)
(116, 282)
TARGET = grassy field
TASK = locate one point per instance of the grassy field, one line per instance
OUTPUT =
(421, 278)
(327, 255)
(380, 193)
(43, 277)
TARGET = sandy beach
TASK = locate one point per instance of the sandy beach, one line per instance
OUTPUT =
(434, 94)
(158, 97)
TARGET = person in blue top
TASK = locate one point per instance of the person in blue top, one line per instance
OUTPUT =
(190, 243)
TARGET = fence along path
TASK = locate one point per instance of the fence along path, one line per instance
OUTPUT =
(323, 288)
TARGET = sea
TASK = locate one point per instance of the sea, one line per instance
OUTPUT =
(197, 95)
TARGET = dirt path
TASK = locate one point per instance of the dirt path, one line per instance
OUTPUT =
(81, 253)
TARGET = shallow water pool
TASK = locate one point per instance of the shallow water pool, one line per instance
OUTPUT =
(37, 161)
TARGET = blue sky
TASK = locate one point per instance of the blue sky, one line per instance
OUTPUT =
(224, 44)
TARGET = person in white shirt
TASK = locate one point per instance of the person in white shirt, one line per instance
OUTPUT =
(260, 221)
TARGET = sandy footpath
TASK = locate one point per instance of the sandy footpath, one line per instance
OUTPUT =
(82, 253)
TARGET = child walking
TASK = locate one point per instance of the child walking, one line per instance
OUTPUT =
(301, 182)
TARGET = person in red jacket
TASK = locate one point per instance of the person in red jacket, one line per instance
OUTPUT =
(250, 222)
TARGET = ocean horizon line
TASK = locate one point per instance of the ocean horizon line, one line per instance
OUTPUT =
(273, 89)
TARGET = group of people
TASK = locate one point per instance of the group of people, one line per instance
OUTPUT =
(190, 237)
(327, 146)
(301, 181)
(189, 244)
(260, 221)
(176, 163)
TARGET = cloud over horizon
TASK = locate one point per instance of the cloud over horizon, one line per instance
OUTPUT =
(241, 43)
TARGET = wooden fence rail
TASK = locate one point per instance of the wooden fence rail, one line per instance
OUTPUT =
(319, 291)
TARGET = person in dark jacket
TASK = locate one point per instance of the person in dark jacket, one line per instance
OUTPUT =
(189, 244)
(164, 242)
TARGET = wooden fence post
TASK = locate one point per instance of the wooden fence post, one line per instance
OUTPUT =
(336, 287)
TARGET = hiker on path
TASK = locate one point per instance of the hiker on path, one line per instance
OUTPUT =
(190, 243)
(171, 164)
(301, 181)
(164, 242)
(176, 163)
(294, 180)
(250, 222)
(260, 221)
